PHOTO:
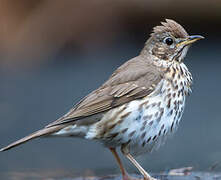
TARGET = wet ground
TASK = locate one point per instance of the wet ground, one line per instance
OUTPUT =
(69, 176)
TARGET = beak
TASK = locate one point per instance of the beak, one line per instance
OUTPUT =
(189, 40)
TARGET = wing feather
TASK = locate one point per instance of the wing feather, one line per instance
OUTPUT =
(134, 79)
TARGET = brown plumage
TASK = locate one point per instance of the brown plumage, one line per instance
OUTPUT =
(127, 83)
(136, 98)
(131, 81)
(42, 132)
(171, 26)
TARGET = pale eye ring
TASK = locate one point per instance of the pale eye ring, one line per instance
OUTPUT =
(168, 41)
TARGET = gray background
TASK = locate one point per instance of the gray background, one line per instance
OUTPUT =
(33, 96)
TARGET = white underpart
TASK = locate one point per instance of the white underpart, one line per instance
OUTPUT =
(72, 130)
(63, 132)
(134, 121)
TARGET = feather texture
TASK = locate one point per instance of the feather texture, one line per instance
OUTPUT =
(173, 27)
(134, 79)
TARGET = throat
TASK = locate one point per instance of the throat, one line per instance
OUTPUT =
(179, 78)
(161, 63)
(179, 57)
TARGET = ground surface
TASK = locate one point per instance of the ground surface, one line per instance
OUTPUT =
(170, 176)
(191, 176)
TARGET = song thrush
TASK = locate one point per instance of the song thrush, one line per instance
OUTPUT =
(141, 103)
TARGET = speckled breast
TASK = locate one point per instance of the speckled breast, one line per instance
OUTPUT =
(143, 125)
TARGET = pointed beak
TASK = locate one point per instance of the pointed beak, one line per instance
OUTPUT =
(189, 40)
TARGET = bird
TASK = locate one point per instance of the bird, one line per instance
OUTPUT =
(139, 106)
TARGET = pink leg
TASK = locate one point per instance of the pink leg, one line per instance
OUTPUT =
(123, 171)
(137, 165)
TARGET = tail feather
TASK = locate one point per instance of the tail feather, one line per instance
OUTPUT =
(42, 132)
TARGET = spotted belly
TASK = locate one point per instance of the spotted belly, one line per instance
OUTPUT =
(141, 125)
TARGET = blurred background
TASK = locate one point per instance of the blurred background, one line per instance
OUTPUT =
(53, 53)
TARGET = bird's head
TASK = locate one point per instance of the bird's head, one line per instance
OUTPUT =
(169, 42)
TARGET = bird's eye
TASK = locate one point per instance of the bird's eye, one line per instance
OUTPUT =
(168, 41)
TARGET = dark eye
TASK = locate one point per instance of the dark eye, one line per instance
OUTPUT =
(168, 41)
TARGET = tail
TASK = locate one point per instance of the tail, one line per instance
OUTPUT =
(42, 132)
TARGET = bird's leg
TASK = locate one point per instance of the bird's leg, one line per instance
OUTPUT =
(123, 171)
(138, 166)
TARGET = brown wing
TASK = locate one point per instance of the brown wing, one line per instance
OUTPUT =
(134, 79)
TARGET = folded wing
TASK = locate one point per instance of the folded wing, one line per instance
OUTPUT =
(133, 80)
